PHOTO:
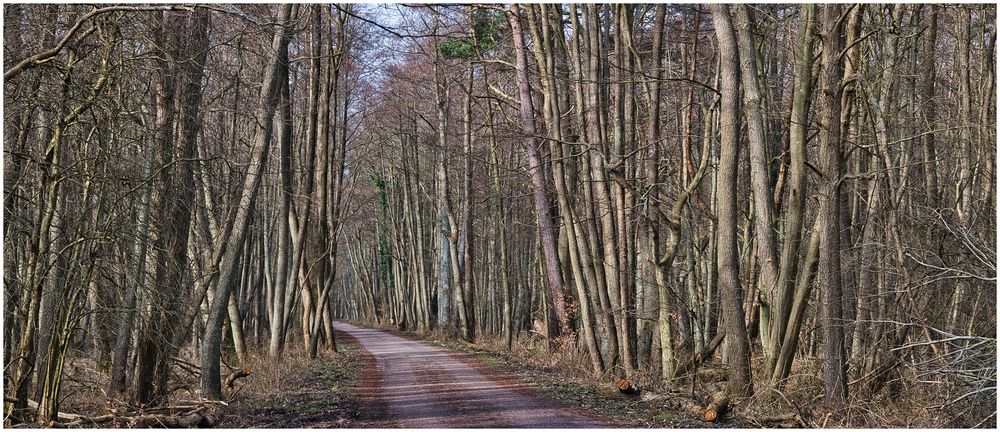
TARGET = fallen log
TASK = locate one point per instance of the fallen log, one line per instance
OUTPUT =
(701, 356)
(172, 408)
(237, 374)
(68, 417)
(201, 402)
(717, 407)
(651, 397)
(187, 366)
(191, 414)
(64, 422)
(690, 406)
(197, 419)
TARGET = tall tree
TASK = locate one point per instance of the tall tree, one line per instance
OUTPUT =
(795, 183)
(834, 359)
(760, 184)
(237, 226)
(556, 303)
(726, 205)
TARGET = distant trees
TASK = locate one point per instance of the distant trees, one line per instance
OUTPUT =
(685, 177)
(186, 187)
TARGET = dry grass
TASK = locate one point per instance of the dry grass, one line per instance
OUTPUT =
(566, 374)
(271, 378)
(917, 405)
(299, 392)
(295, 391)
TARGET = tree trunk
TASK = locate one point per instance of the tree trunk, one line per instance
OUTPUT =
(556, 304)
(795, 184)
(726, 206)
(238, 224)
(929, 107)
(834, 363)
(759, 161)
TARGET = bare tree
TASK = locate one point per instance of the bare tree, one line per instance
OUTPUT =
(238, 224)
(729, 283)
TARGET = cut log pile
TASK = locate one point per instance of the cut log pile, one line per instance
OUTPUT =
(710, 410)
(714, 408)
(623, 389)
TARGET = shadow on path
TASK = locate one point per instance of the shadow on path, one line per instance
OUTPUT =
(422, 386)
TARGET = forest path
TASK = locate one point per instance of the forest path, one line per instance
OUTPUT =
(422, 386)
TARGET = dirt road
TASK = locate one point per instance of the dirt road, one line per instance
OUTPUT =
(422, 386)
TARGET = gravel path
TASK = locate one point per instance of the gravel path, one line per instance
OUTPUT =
(422, 386)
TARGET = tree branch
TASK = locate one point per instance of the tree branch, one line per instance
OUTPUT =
(51, 53)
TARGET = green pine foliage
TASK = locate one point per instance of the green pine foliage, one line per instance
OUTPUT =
(486, 32)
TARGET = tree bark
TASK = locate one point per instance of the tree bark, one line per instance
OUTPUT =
(834, 363)
(238, 224)
(929, 107)
(795, 184)
(759, 161)
(556, 303)
(726, 205)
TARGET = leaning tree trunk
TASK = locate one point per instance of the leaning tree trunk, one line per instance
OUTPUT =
(555, 302)
(273, 76)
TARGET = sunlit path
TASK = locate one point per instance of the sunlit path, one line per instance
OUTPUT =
(425, 387)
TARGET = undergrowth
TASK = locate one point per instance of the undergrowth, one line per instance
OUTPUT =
(565, 375)
(297, 391)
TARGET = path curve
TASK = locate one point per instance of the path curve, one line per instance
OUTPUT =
(423, 386)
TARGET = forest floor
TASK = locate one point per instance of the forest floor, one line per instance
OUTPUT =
(299, 392)
(389, 379)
